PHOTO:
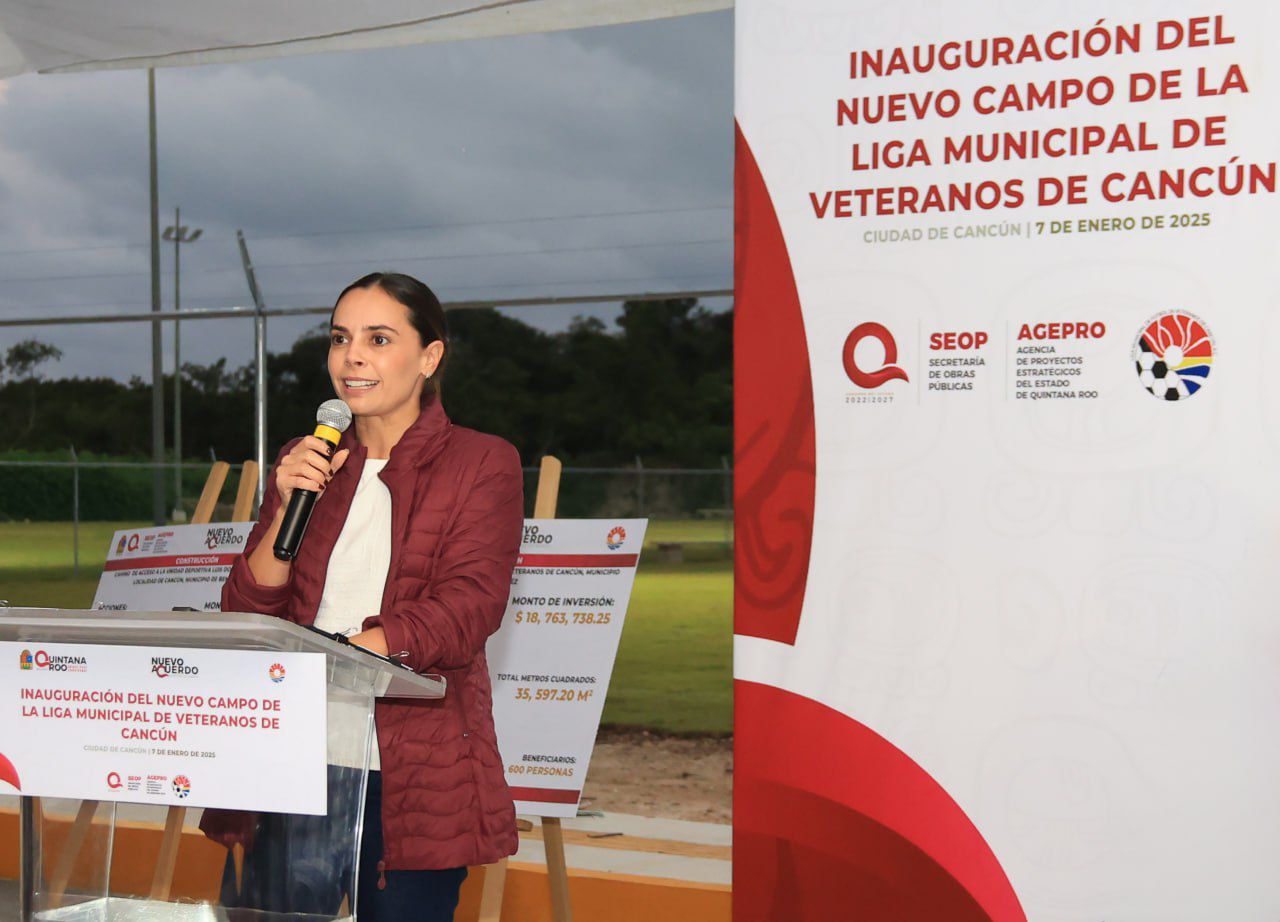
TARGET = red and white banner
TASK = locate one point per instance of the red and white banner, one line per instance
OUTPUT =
(1006, 525)
(167, 566)
(154, 725)
(552, 659)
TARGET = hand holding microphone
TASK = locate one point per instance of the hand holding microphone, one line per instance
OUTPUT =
(303, 474)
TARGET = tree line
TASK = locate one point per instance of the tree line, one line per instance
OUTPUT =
(658, 386)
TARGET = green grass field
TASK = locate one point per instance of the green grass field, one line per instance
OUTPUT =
(673, 671)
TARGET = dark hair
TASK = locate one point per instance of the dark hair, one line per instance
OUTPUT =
(425, 312)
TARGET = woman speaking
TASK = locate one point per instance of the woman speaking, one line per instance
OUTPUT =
(409, 551)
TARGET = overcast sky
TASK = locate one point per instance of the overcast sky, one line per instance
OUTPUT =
(592, 161)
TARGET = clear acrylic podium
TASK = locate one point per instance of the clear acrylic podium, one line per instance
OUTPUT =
(89, 860)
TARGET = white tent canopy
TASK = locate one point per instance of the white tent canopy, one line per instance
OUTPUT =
(75, 35)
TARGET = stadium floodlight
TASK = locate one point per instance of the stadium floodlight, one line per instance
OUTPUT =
(179, 235)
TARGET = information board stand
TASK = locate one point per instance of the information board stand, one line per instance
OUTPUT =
(353, 679)
(167, 861)
(495, 875)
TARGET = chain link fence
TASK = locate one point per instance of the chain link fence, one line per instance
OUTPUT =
(694, 505)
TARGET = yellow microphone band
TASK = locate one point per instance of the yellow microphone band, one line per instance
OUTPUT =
(328, 433)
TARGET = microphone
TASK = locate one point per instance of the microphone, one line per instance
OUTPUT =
(332, 419)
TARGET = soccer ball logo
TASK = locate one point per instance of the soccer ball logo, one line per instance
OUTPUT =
(1173, 354)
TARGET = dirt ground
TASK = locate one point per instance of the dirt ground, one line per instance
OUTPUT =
(683, 778)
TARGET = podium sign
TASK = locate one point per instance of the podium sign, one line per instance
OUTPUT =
(169, 726)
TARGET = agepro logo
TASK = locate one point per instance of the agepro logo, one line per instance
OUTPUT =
(889, 370)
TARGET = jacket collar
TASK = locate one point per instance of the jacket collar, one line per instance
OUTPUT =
(419, 445)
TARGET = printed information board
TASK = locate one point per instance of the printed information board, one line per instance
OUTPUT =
(182, 727)
(163, 567)
(551, 660)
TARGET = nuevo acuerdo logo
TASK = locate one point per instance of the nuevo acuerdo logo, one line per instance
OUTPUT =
(181, 785)
(887, 370)
(1173, 354)
(534, 535)
(162, 667)
(617, 535)
(222, 536)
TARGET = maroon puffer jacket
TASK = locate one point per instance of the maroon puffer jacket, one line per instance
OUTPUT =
(457, 507)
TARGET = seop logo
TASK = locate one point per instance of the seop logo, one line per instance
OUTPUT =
(870, 378)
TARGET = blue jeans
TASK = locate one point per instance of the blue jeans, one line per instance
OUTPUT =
(297, 865)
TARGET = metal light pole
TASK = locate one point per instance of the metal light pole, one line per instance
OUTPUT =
(157, 354)
(179, 235)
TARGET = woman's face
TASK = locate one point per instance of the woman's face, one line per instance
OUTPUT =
(377, 362)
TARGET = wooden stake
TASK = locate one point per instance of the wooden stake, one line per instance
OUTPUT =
(245, 496)
(209, 495)
(495, 875)
(544, 505)
(167, 859)
(557, 869)
(70, 851)
(495, 882)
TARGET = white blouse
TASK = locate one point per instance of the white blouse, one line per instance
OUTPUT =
(357, 573)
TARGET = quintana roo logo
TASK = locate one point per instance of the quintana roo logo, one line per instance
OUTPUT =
(888, 372)
(1173, 354)
(616, 536)
(276, 672)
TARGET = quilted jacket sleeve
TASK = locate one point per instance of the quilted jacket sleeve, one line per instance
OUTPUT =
(448, 627)
(241, 592)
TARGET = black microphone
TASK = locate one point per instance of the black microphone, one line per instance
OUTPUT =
(332, 419)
